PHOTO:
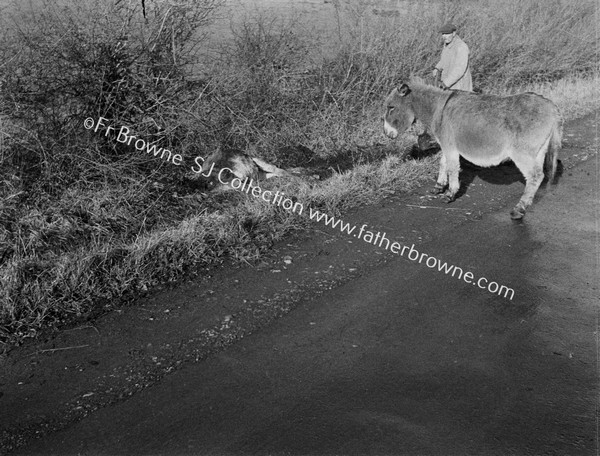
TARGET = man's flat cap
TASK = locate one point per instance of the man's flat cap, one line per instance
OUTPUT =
(448, 28)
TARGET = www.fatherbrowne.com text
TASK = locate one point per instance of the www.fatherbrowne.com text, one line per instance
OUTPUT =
(381, 240)
(125, 135)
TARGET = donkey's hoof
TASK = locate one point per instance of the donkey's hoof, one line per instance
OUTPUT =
(438, 189)
(449, 197)
(517, 213)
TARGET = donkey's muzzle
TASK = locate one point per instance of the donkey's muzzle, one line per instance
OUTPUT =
(389, 131)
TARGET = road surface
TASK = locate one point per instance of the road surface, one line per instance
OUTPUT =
(401, 359)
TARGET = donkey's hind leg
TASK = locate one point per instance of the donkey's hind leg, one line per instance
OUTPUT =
(533, 170)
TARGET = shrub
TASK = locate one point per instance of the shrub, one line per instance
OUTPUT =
(66, 62)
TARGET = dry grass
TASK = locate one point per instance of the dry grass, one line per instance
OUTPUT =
(575, 96)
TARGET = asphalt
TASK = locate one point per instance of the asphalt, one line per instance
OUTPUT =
(386, 356)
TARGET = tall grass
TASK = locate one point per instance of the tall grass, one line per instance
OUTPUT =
(286, 92)
(86, 222)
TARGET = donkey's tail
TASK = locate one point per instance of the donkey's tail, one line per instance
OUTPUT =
(554, 145)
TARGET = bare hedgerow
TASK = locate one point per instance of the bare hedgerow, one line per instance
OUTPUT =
(65, 61)
(66, 193)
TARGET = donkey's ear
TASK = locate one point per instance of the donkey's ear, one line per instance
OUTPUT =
(403, 90)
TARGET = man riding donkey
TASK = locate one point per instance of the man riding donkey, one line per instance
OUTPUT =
(451, 72)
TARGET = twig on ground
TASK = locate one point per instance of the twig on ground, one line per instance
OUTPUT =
(52, 350)
(437, 207)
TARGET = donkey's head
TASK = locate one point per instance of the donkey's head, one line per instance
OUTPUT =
(399, 114)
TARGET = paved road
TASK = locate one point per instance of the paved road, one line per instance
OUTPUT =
(402, 360)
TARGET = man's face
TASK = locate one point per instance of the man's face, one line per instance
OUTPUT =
(448, 37)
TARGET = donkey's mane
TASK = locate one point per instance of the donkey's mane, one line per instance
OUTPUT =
(426, 94)
(416, 83)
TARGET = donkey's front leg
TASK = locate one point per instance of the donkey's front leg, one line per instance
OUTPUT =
(442, 180)
(453, 168)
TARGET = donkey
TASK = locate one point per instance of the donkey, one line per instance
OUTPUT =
(485, 129)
